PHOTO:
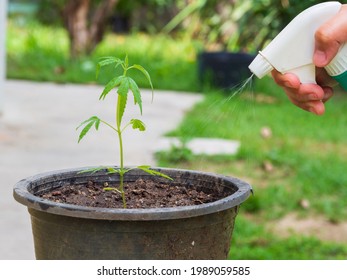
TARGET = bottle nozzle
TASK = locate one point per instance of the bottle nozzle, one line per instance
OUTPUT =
(260, 66)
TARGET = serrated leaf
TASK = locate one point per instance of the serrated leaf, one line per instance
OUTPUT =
(147, 169)
(137, 124)
(123, 88)
(94, 120)
(145, 73)
(122, 103)
(84, 131)
(136, 92)
(111, 85)
(91, 119)
(92, 170)
(106, 61)
(144, 166)
(97, 124)
(112, 170)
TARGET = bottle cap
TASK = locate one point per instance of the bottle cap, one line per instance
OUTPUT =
(260, 66)
(342, 80)
(337, 68)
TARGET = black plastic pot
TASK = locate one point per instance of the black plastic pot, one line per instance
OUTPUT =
(65, 231)
(120, 24)
(223, 70)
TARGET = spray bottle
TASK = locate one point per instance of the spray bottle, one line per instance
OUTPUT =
(291, 51)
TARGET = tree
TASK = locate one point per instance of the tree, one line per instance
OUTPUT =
(85, 27)
(84, 20)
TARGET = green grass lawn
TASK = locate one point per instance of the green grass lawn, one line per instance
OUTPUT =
(252, 242)
(307, 152)
(304, 158)
(307, 156)
(40, 53)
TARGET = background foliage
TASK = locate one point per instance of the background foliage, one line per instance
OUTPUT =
(216, 24)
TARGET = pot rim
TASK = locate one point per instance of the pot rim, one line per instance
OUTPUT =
(22, 194)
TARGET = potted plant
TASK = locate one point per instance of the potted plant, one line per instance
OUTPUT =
(120, 212)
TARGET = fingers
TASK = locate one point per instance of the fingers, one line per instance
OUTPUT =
(287, 80)
(309, 97)
(323, 78)
(329, 37)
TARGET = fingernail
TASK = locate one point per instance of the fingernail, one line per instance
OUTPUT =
(319, 58)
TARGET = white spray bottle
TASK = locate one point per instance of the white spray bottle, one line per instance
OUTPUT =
(291, 51)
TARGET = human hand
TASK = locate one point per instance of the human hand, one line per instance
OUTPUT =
(310, 97)
(328, 39)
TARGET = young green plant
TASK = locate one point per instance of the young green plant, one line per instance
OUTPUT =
(123, 83)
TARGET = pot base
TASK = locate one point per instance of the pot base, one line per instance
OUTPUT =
(202, 237)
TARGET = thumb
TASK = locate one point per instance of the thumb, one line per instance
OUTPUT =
(329, 38)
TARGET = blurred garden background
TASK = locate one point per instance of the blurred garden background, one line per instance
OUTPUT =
(295, 161)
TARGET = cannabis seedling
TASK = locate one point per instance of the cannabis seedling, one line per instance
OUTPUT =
(123, 83)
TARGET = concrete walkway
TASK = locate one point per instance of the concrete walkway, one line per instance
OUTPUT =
(37, 134)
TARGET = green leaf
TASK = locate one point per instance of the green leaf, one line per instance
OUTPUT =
(123, 88)
(110, 85)
(112, 170)
(97, 123)
(122, 102)
(92, 170)
(112, 189)
(106, 61)
(144, 72)
(146, 168)
(136, 92)
(126, 61)
(94, 120)
(137, 124)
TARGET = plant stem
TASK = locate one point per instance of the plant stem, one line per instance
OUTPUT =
(122, 171)
(110, 126)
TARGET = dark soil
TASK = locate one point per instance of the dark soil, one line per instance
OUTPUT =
(139, 194)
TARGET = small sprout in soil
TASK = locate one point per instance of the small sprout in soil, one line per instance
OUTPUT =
(124, 83)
